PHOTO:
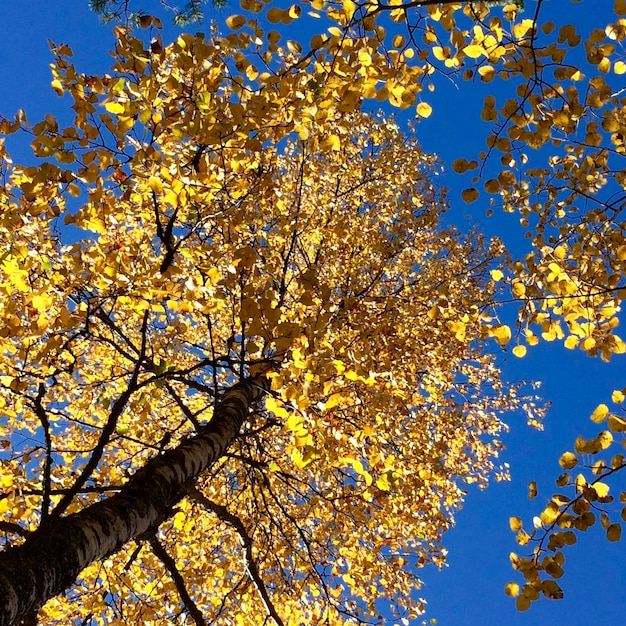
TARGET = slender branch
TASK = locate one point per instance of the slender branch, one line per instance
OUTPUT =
(55, 492)
(10, 527)
(183, 407)
(165, 235)
(45, 423)
(170, 565)
(107, 431)
(107, 321)
(229, 518)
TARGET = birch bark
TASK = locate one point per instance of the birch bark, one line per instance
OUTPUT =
(50, 560)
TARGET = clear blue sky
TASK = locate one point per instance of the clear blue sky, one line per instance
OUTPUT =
(470, 591)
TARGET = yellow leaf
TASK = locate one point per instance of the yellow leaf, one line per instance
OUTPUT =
(602, 489)
(568, 460)
(179, 520)
(600, 413)
(114, 107)
(96, 225)
(299, 459)
(512, 589)
(57, 86)
(497, 275)
(589, 343)
(214, 275)
(519, 351)
(501, 333)
(518, 289)
(349, 8)
(550, 513)
(571, 342)
(383, 482)
(487, 73)
(473, 51)
(619, 346)
(235, 22)
(295, 422)
(155, 184)
(424, 109)
(334, 400)
(275, 407)
(515, 523)
(458, 328)
(604, 439)
(331, 142)
(616, 424)
(6, 481)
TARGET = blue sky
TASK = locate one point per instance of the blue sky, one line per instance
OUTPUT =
(470, 591)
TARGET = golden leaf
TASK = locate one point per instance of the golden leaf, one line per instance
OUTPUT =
(599, 414)
(519, 351)
(424, 109)
(568, 460)
(512, 589)
(501, 333)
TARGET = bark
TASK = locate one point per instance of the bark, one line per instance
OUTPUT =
(50, 560)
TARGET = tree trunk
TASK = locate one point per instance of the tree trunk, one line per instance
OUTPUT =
(49, 561)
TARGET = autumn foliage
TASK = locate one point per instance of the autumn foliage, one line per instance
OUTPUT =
(206, 248)
(221, 210)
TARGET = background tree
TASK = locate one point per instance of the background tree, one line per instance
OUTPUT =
(111, 10)
(121, 10)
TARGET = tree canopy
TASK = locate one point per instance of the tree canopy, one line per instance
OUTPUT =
(221, 211)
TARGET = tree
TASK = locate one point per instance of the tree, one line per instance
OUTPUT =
(557, 139)
(212, 254)
(117, 10)
(179, 146)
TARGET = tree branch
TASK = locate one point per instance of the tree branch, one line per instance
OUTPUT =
(45, 423)
(232, 520)
(107, 431)
(10, 527)
(170, 565)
